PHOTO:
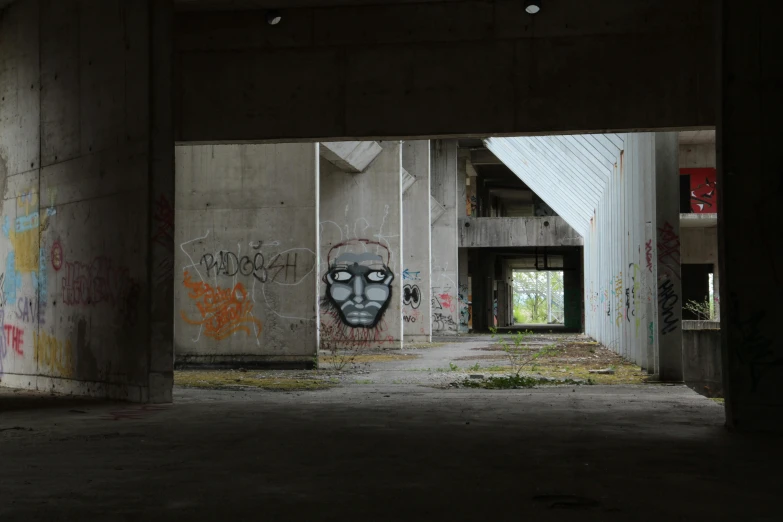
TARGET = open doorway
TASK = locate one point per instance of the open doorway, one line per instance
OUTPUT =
(538, 297)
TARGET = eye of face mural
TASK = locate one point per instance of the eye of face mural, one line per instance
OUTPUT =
(358, 282)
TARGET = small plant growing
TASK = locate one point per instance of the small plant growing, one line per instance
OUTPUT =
(476, 367)
(453, 367)
(341, 354)
(519, 354)
(702, 310)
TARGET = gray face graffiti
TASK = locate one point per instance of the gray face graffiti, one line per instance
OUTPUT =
(359, 284)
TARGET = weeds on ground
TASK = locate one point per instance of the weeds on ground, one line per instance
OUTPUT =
(340, 354)
(476, 367)
(519, 354)
(516, 381)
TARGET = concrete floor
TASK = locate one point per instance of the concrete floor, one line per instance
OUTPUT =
(385, 452)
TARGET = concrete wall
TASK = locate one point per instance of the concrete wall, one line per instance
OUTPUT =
(416, 238)
(246, 258)
(699, 245)
(86, 171)
(445, 243)
(361, 222)
(697, 156)
(517, 232)
(702, 357)
(556, 71)
(620, 266)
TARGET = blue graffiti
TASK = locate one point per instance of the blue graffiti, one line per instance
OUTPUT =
(407, 274)
(6, 226)
(13, 279)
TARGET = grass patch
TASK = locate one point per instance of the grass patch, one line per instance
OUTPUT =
(362, 381)
(510, 382)
(368, 358)
(216, 380)
(719, 400)
(623, 373)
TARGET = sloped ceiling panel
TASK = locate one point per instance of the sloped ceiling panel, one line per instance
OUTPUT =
(570, 173)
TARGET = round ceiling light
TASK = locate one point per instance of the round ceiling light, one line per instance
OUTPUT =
(532, 6)
(273, 17)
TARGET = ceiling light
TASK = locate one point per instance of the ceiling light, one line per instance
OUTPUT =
(532, 6)
(273, 17)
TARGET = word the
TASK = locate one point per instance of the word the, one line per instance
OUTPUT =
(224, 311)
(14, 337)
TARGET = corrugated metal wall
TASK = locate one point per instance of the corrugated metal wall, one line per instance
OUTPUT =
(604, 187)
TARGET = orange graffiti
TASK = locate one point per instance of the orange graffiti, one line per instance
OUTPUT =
(224, 311)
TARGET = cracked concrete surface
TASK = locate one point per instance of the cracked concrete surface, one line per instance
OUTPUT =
(379, 452)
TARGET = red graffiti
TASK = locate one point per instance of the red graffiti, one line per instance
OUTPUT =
(164, 221)
(669, 248)
(14, 337)
(703, 185)
(445, 300)
(648, 247)
(57, 255)
(224, 311)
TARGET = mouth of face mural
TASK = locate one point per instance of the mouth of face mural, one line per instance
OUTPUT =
(359, 283)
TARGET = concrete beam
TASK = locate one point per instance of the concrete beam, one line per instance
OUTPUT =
(325, 71)
(350, 156)
(517, 232)
(484, 157)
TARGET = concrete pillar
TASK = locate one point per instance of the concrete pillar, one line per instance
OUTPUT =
(669, 294)
(246, 233)
(749, 177)
(86, 160)
(445, 240)
(416, 242)
(361, 253)
(464, 291)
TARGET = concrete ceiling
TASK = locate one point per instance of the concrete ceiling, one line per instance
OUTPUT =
(697, 137)
(226, 5)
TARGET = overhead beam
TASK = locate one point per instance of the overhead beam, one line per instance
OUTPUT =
(398, 70)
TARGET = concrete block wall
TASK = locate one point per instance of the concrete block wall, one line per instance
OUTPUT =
(84, 128)
(361, 253)
(246, 259)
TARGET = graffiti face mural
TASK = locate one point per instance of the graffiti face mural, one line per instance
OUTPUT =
(358, 282)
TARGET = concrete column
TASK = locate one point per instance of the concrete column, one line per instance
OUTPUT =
(361, 253)
(464, 291)
(749, 178)
(716, 291)
(416, 239)
(245, 273)
(445, 240)
(86, 158)
(667, 222)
